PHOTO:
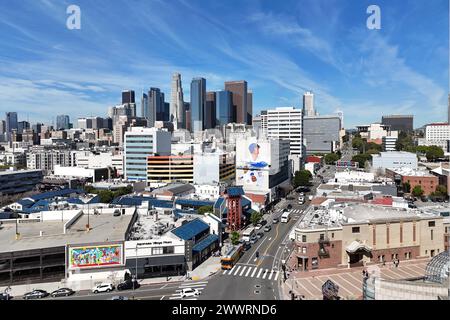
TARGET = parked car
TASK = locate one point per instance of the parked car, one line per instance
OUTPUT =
(247, 246)
(263, 222)
(267, 228)
(62, 292)
(128, 284)
(35, 294)
(258, 226)
(189, 292)
(259, 235)
(103, 287)
(275, 220)
(5, 296)
(119, 298)
(310, 197)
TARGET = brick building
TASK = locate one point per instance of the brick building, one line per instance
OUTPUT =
(427, 181)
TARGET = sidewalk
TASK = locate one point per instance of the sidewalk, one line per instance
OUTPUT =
(206, 269)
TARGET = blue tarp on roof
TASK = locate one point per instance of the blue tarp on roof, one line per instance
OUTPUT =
(235, 191)
(25, 203)
(190, 229)
(160, 203)
(194, 203)
(205, 243)
(58, 193)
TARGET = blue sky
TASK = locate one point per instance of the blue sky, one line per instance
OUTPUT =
(282, 48)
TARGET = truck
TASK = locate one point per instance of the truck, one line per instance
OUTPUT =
(248, 233)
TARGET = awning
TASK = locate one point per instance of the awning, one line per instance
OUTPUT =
(205, 243)
(356, 246)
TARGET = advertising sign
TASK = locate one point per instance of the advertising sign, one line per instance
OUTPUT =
(95, 256)
(253, 155)
(252, 180)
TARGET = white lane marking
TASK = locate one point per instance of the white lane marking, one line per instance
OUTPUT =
(254, 260)
(248, 272)
(237, 270)
(228, 270)
(242, 272)
(178, 291)
(265, 274)
(270, 238)
(254, 271)
(162, 298)
(276, 275)
(270, 275)
(192, 286)
(260, 270)
(163, 286)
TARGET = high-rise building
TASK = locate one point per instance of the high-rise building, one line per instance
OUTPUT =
(62, 122)
(249, 107)
(22, 125)
(177, 112)
(198, 103)
(144, 105)
(448, 111)
(287, 124)
(239, 90)
(210, 110)
(399, 122)
(321, 134)
(224, 108)
(11, 121)
(308, 104)
(166, 112)
(2, 126)
(139, 143)
(128, 97)
(155, 110)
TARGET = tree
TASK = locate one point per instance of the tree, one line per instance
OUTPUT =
(205, 209)
(361, 159)
(441, 191)
(434, 152)
(234, 237)
(105, 196)
(417, 191)
(255, 217)
(406, 187)
(331, 158)
(302, 178)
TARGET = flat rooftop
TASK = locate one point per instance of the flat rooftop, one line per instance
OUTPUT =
(104, 228)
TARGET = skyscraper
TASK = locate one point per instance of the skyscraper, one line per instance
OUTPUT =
(239, 90)
(144, 105)
(198, 103)
(155, 106)
(128, 96)
(308, 104)
(11, 123)
(224, 108)
(210, 110)
(399, 122)
(249, 107)
(177, 112)
(62, 122)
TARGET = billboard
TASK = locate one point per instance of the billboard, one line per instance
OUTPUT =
(253, 155)
(95, 256)
(252, 180)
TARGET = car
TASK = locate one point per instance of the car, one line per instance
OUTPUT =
(247, 245)
(310, 197)
(128, 284)
(189, 292)
(267, 228)
(263, 222)
(103, 287)
(5, 296)
(35, 294)
(259, 235)
(258, 226)
(253, 239)
(119, 298)
(289, 207)
(275, 220)
(62, 292)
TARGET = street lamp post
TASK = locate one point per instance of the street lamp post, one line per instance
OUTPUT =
(135, 271)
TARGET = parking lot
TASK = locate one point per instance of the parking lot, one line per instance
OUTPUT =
(309, 284)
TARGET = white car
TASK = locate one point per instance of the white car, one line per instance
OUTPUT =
(310, 198)
(103, 287)
(189, 292)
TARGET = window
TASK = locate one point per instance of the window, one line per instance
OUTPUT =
(322, 236)
(156, 251)
(303, 238)
(332, 246)
(431, 224)
(168, 250)
(304, 250)
(355, 229)
(431, 234)
(332, 235)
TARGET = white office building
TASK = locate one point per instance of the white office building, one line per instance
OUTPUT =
(437, 134)
(394, 160)
(389, 143)
(287, 124)
(140, 143)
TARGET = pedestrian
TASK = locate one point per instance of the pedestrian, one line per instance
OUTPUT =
(398, 262)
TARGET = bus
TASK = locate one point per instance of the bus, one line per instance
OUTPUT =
(248, 233)
(231, 257)
(285, 217)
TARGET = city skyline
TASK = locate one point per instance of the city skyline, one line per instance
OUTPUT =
(282, 51)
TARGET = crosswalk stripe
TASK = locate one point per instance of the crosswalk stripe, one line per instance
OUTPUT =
(183, 286)
(270, 275)
(237, 270)
(248, 271)
(260, 270)
(242, 272)
(226, 271)
(254, 271)
(276, 275)
(265, 274)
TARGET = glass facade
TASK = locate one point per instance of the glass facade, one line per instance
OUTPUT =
(198, 103)
(224, 108)
(138, 148)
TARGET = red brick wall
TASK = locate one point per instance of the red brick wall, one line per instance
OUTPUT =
(428, 184)
(312, 251)
(415, 252)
